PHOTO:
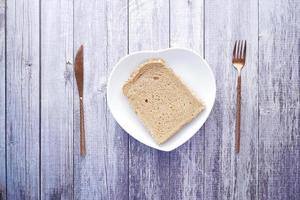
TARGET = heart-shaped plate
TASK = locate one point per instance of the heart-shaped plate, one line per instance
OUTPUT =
(189, 66)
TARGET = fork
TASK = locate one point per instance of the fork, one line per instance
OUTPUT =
(238, 61)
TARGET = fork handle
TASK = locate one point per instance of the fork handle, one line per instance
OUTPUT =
(82, 131)
(238, 115)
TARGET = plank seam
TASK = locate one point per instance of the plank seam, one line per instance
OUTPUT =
(128, 139)
(169, 25)
(105, 99)
(5, 91)
(73, 118)
(204, 135)
(169, 154)
(258, 105)
(40, 100)
(127, 26)
(203, 33)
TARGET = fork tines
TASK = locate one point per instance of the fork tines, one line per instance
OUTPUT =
(239, 50)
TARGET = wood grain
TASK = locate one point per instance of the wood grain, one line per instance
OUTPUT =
(117, 47)
(148, 168)
(22, 99)
(2, 102)
(230, 176)
(279, 100)
(57, 85)
(101, 26)
(38, 39)
(187, 162)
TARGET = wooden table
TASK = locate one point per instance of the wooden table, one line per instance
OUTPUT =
(39, 105)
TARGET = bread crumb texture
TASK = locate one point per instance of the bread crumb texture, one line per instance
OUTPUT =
(160, 99)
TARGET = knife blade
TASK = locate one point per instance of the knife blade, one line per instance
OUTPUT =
(79, 70)
(79, 75)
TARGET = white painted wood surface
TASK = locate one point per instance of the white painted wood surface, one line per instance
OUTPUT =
(187, 162)
(39, 132)
(22, 106)
(57, 99)
(148, 168)
(279, 100)
(90, 30)
(2, 102)
(231, 176)
(101, 26)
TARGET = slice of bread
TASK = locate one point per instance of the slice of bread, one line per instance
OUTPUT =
(160, 99)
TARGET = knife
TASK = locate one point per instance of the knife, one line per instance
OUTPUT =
(78, 68)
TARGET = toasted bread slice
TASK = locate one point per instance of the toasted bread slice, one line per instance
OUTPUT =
(160, 99)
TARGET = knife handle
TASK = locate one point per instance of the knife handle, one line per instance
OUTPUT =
(82, 132)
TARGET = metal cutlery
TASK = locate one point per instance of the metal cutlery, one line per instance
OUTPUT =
(238, 61)
(79, 75)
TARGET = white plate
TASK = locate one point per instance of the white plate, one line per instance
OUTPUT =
(188, 65)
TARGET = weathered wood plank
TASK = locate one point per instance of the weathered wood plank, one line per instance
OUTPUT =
(187, 162)
(279, 100)
(103, 174)
(231, 176)
(2, 102)
(57, 99)
(22, 121)
(148, 168)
